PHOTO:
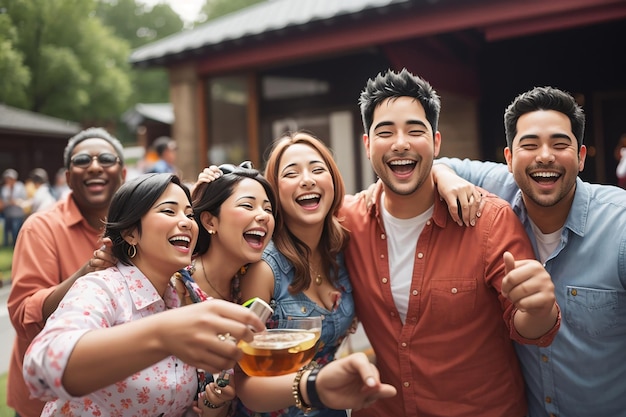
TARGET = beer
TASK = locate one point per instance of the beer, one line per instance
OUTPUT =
(278, 351)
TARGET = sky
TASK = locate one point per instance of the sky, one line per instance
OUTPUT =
(187, 9)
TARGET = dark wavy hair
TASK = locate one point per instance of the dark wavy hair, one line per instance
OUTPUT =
(130, 203)
(210, 196)
(334, 236)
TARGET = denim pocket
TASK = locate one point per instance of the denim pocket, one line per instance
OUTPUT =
(590, 310)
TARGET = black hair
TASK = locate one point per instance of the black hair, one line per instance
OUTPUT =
(92, 133)
(161, 143)
(394, 85)
(544, 98)
(130, 203)
(210, 196)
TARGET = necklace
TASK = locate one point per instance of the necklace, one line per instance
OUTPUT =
(318, 277)
(209, 282)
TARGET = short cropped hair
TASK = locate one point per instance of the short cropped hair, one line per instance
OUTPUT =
(92, 133)
(395, 85)
(544, 98)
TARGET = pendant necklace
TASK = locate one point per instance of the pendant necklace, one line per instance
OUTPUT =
(209, 282)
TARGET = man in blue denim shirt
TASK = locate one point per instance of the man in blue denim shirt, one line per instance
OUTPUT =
(578, 231)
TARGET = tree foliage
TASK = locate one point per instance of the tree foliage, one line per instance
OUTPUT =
(69, 58)
(213, 9)
(139, 25)
(77, 69)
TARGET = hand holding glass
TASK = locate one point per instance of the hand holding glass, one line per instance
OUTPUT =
(284, 347)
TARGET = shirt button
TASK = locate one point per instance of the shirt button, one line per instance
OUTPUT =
(544, 358)
(406, 384)
(415, 292)
(454, 290)
(403, 344)
(382, 256)
(548, 400)
(303, 309)
(428, 223)
(382, 236)
(574, 292)
(420, 255)
(393, 314)
(384, 280)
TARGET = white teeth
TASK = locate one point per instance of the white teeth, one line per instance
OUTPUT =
(546, 174)
(402, 162)
(181, 238)
(255, 232)
(308, 197)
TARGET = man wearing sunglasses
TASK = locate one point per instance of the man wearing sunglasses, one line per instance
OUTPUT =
(57, 246)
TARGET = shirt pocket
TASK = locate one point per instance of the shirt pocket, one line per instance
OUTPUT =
(453, 300)
(591, 310)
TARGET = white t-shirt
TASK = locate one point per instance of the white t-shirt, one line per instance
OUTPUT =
(402, 236)
(546, 243)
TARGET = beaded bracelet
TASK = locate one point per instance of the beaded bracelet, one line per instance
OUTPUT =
(295, 387)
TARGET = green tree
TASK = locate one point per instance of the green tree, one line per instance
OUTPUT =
(213, 9)
(78, 68)
(139, 25)
(15, 74)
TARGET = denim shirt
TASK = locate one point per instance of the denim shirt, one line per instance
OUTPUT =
(582, 372)
(335, 323)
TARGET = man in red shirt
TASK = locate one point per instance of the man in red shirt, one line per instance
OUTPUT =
(57, 246)
(440, 303)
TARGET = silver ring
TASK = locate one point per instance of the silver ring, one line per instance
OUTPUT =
(223, 337)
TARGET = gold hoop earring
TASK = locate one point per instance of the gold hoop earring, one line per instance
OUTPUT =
(132, 251)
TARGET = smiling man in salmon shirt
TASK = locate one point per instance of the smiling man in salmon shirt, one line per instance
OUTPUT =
(57, 246)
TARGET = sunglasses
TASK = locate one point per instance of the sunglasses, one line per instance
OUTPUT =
(84, 160)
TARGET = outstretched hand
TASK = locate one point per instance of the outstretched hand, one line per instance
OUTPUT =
(351, 382)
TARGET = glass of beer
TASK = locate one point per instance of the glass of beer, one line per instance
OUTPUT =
(284, 347)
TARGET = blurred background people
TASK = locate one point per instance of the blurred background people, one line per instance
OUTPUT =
(13, 195)
(165, 149)
(60, 189)
(42, 197)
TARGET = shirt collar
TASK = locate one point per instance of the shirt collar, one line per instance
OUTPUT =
(579, 212)
(441, 216)
(143, 293)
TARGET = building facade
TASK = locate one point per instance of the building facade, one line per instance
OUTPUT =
(237, 82)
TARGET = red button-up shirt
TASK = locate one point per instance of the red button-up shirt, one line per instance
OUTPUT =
(454, 355)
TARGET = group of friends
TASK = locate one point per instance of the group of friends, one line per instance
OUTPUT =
(484, 289)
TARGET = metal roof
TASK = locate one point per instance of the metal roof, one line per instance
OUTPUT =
(261, 18)
(159, 112)
(23, 121)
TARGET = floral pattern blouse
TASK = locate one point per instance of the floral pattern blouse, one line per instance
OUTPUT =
(103, 299)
